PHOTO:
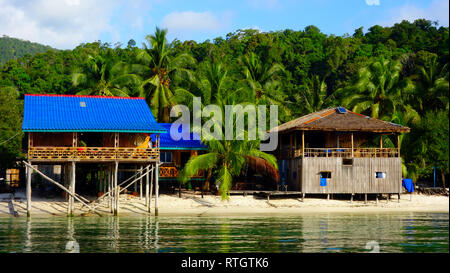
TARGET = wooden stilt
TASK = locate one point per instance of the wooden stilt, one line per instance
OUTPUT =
(29, 172)
(376, 198)
(399, 197)
(76, 196)
(303, 197)
(110, 184)
(388, 197)
(135, 184)
(328, 196)
(179, 189)
(156, 188)
(116, 189)
(351, 198)
(140, 182)
(147, 189)
(72, 199)
(151, 189)
(365, 198)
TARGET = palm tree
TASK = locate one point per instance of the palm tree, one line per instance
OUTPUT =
(263, 79)
(102, 75)
(159, 68)
(432, 90)
(213, 85)
(378, 90)
(226, 158)
(313, 95)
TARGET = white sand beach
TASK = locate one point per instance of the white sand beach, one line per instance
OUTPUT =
(193, 205)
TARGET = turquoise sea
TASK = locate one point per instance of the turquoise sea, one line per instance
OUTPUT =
(411, 232)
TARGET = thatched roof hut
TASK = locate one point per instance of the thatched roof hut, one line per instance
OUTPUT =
(339, 119)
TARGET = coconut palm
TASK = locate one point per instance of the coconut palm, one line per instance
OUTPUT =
(213, 85)
(102, 75)
(264, 79)
(378, 91)
(159, 68)
(227, 158)
(313, 95)
(432, 90)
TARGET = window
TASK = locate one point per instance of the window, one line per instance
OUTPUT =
(325, 175)
(347, 161)
(166, 157)
(380, 175)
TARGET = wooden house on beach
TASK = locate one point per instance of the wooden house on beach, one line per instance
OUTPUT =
(333, 152)
(70, 130)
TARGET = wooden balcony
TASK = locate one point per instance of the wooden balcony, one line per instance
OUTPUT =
(92, 154)
(341, 152)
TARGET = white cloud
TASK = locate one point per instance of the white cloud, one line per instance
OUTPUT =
(191, 21)
(373, 2)
(65, 24)
(436, 11)
(190, 25)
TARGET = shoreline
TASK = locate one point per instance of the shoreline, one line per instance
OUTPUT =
(193, 205)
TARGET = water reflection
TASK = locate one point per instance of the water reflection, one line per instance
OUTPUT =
(409, 232)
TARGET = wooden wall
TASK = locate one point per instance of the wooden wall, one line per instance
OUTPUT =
(357, 178)
(48, 139)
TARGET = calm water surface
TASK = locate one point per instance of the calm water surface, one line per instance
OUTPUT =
(406, 232)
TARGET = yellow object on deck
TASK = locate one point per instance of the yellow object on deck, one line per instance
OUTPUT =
(144, 145)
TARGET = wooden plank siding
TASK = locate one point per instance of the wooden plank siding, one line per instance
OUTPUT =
(358, 178)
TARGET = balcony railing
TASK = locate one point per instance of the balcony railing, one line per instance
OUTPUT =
(341, 152)
(173, 172)
(92, 154)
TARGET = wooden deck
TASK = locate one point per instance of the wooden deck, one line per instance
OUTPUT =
(92, 154)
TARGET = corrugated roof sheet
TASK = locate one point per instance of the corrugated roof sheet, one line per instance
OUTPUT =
(167, 143)
(65, 113)
(334, 119)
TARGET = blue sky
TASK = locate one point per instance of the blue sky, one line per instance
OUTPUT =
(66, 23)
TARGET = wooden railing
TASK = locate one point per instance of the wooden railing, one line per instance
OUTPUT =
(168, 172)
(91, 154)
(173, 172)
(342, 152)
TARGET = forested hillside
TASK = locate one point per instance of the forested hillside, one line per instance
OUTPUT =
(399, 74)
(12, 48)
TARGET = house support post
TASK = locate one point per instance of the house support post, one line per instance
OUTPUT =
(365, 198)
(303, 144)
(71, 199)
(156, 188)
(116, 189)
(110, 187)
(353, 148)
(147, 188)
(29, 191)
(151, 189)
(141, 171)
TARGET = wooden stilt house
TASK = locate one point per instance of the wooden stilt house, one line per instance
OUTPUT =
(332, 151)
(70, 130)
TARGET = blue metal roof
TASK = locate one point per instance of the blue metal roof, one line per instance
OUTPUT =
(167, 143)
(65, 113)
